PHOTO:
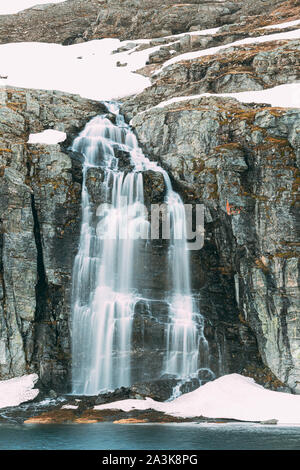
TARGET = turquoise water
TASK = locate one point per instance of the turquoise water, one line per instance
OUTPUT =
(109, 436)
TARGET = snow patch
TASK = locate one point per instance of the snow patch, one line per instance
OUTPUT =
(49, 136)
(88, 69)
(231, 396)
(69, 407)
(282, 96)
(14, 6)
(15, 391)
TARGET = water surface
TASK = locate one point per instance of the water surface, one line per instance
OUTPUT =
(109, 436)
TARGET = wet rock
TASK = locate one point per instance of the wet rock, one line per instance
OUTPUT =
(159, 390)
(130, 421)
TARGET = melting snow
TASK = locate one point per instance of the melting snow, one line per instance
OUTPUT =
(88, 69)
(231, 396)
(202, 32)
(14, 6)
(15, 391)
(48, 136)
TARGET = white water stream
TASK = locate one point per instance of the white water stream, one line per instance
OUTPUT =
(104, 292)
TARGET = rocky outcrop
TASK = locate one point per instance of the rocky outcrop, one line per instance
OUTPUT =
(39, 218)
(59, 23)
(81, 20)
(240, 161)
(243, 68)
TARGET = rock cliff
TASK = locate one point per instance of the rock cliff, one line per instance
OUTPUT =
(40, 217)
(240, 161)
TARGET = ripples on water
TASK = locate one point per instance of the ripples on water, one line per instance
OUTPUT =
(150, 437)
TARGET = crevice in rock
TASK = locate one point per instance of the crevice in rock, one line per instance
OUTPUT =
(3, 299)
(42, 285)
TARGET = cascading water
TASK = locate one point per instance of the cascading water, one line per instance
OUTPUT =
(185, 335)
(104, 292)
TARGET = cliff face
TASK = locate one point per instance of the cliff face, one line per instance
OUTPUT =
(239, 160)
(241, 163)
(40, 217)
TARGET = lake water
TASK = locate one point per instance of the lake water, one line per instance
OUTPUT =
(109, 436)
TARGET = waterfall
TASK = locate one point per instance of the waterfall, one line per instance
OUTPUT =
(104, 293)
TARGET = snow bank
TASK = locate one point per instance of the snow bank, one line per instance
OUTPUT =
(14, 6)
(48, 136)
(88, 69)
(282, 25)
(13, 392)
(231, 396)
(202, 32)
(295, 34)
(285, 96)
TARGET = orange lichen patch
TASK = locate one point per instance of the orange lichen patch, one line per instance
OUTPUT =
(148, 70)
(38, 420)
(52, 417)
(262, 264)
(289, 9)
(130, 421)
(85, 421)
(278, 141)
(228, 146)
(277, 112)
(232, 210)
(286, 255)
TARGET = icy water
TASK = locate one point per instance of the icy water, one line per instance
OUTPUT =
(109, 436)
